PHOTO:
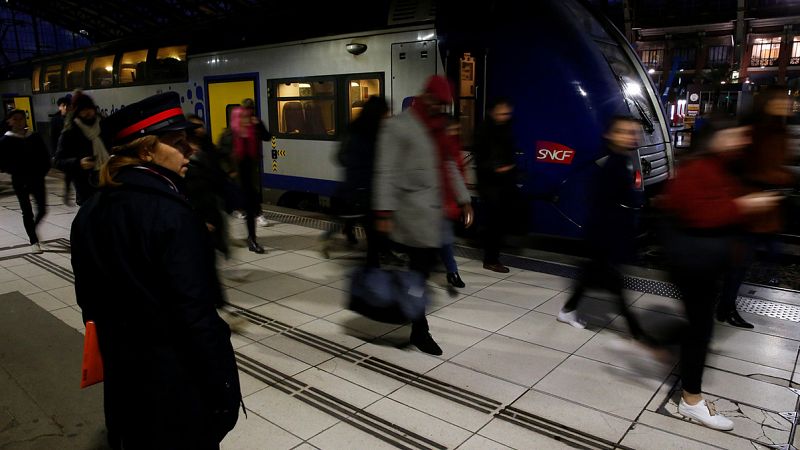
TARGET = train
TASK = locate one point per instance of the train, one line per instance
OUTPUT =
(566, 68)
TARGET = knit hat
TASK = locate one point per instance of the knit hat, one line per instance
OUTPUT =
(439, 88)
(81, 101)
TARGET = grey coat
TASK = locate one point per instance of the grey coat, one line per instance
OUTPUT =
(407, 181)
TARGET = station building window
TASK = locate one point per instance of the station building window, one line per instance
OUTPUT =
(685, 57)
(765, 52)
(360, 91)
(719, 55)
(307, 108)
(75, 74)
(52, 78)
(653, 58)
(36, 79)
(170, 64)
(132, 67)
(102, 72)
(795, 58)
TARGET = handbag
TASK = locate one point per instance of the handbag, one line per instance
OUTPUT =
(92, 366)
(390, 296)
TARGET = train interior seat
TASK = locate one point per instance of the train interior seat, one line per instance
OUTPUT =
(314, 120)
(294, 120)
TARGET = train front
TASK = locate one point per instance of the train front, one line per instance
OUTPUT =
(568, 71)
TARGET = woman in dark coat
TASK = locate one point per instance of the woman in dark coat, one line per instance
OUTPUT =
(144, 272)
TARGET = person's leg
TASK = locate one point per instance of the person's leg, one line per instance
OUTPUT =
(744, 253)
(246, 173)
(421, 260)
(22, 190)
(568, 313)
(40, 197)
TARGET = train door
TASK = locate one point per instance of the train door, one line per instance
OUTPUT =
(23, 103)
(412, 64)
(225, 93)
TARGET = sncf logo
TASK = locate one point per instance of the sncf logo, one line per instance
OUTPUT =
(552, 152)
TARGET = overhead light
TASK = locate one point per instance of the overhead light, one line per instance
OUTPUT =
(354, 84)
(355, 48)
(582, 92)
(303, 85)
(680, 70)
(651, 71)
(109, 68)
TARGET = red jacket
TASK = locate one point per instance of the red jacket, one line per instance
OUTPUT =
(451, 151)
(702, 195)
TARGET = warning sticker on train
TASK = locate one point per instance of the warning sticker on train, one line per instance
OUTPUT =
(553, 152)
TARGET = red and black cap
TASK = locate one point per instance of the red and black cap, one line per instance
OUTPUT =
(155, 115)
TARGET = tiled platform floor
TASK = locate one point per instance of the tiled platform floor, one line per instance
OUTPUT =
(316, 375)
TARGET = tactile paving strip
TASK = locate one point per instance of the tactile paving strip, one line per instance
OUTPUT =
(768, 308)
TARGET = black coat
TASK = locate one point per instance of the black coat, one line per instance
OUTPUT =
(72, 147)
(357, 156)
(144, 272)
(494, 148)
(206, 186)
(25, 158)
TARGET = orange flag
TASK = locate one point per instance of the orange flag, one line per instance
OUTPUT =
(92, 368)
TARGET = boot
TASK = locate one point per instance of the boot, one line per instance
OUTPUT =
(254, 246)
(454, 280)
(425, 343)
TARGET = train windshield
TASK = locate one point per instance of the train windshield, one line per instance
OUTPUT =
(630, 81)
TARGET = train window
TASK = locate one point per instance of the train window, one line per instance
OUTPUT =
(132, 67)
(102, 71)
(631, 84)
(170, 63)
(75, 72)
(306, 108)
(360, 91)
(36, 79)
(52, 78)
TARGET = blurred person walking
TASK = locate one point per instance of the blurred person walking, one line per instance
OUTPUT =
(144, 273)
(407, 197)
(205, 184)
(496, 170)
(56, 127)
(81, 151)
(707, 206)
(247, 133)
(357, 156)
(611, 225)
(763, 168)
(457, 200)
(24, 155)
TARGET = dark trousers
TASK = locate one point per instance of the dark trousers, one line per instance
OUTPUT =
(496, 201)
(25, 188)
(698, 290)
(601, 273)
(249, 182)
(422, 261)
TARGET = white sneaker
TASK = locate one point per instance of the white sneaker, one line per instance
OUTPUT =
(705, 413)
(237, 214)
(36, 248)
(571, 318)
(262, 221)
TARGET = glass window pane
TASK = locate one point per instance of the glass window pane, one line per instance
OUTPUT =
(131, 66)
(310, 117)
(360, 91)
(52, 79)
(305, 89)
(36, 79)
(102, 71)
(75, 72)
(170, 63)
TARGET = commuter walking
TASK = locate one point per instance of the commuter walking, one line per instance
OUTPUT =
(248, 132)
(24, 155)
(494, 153)
(357, 156)
(706, 206)
(407, 197)
(56, 126)
(763, 168)
(455, 190)
(81, 151)
(205, 184)
(611, 225)
(144, 273)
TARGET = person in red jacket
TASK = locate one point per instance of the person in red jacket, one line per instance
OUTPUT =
(707, 206)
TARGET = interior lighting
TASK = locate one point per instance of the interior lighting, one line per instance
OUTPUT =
(354, 84)
(304, 85)
(109, 68)
(651, 71)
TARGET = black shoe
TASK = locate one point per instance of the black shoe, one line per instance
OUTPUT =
(496, 267)
(738, 321)
(425, 343)
(253, 246)
(454, 280)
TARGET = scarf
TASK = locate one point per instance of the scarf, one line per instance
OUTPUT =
(92, 133)
(436, 126)
(245, 142)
